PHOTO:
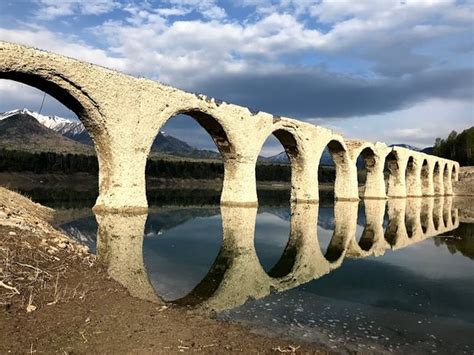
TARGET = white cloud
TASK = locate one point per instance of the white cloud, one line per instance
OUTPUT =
(52, 9)
(378, 33)
(14, 95)
(419, 125)
(59, 43)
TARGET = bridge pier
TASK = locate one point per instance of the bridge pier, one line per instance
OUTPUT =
(397, 163)
(427, 178)
(122, 185)
(438, 183)
(345, 185)
(375, 183)
(374, 159)
(396, 233)
(239, 185)
(413, 176)
(120, 249)
(448, 179)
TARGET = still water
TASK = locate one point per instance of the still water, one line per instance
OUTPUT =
(394, 275)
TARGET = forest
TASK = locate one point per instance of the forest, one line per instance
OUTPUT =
(40, 163)
(459, 147)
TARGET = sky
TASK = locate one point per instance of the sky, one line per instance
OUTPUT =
(397, 71)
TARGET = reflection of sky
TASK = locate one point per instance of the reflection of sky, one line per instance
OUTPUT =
(180, 257)
(430, 261)
(271, 237)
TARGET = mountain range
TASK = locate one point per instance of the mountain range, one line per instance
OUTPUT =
(27, 130)
(62, 135)
(21, 131)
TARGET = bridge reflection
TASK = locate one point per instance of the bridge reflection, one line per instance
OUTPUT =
(237, 274)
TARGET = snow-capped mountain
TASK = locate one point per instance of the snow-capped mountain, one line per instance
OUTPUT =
(282, 158)
(21, 130)
(407, 146)
(76, 131)
(64, 126)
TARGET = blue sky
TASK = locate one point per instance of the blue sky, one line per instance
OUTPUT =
(393, 71)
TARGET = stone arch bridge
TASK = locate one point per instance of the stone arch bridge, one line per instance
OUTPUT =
(123, 115)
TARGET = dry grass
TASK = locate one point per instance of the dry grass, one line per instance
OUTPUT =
(35, 259)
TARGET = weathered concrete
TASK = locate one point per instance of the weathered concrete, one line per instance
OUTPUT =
(120, 248)
(124, 114)
(374, 160)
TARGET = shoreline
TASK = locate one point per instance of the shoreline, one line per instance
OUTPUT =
(59, 299)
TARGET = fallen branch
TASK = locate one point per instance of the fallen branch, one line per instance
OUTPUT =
(291, 349)
(8, 287)
(34, 268)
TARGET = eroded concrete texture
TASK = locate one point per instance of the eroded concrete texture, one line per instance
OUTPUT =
(123, 115)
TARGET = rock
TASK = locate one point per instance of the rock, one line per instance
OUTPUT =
(30, 308)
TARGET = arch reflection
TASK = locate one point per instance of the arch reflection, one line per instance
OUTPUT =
(236, 274)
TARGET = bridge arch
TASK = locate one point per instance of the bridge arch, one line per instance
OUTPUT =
(455, 172)
(292, 146)
(293, 137)
(69, 93)
(438, 178)
(345, 180)
(211, 123)
(426, 178)
(393, 166)
(447, 185)
(368, 156)
(372, 156)
(214, 128)
(413, 176)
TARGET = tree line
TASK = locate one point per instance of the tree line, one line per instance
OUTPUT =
(459, 147)
(46, 162)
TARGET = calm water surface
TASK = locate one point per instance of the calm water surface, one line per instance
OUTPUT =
(396, 276)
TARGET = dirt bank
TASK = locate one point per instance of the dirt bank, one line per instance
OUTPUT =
(56, 297)
(465, 185)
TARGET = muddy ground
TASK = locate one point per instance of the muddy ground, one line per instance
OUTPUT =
(55, 297)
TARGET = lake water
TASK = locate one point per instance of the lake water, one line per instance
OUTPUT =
(389, 276)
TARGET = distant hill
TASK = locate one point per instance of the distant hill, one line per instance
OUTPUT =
(170, 145)
(282, 158)
(21, 131)
(72, 130)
